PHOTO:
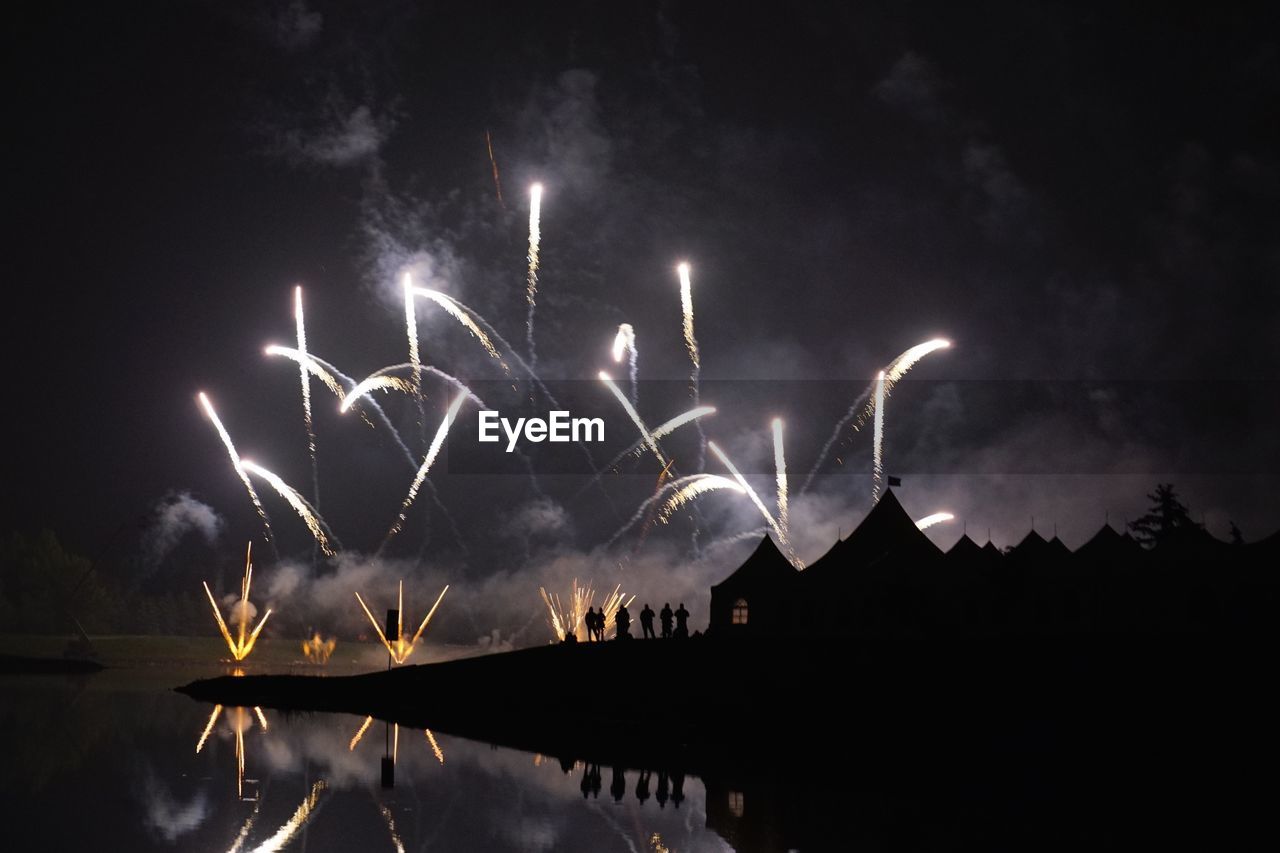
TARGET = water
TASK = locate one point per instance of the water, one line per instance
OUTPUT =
(109, 762)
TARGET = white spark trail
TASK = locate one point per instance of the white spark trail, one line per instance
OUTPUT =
(463, 315)
(930, 520)
(755, 499)
(700, 485)
(430, 458)
(625, 344)
(658, 432)
(896, 369)
(780, 472)
(304, 510)
(691, 344)
(235, 461)
(877, 444)
(535, 240)
(301, 326)
(645, 435)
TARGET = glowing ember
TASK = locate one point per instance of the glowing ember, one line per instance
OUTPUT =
(243, 642)
(930, 520)
(400, 648)
(318, 649)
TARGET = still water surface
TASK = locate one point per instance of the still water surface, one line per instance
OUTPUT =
(117, 761)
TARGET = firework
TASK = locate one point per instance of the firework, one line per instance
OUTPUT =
(435, 747)
(624, 343)
(304, 510)
(290, 828)
(645, 435)
(535, 239)
(877, 444)
(391, 828)
(400, 648)
(376, 382)
(930, 520)
(427, 461)
(411, 325)
(235, 462)
(755, 499)
(318, 649)
(699, 484)
(686, 310)
(691, 344)
(861, 409)
(309, 363)
(368, 721)
(244, 640)
(780, 472)
(463, 315)
(571, 620)
(497, 184)
(204, 736)
(301, 327)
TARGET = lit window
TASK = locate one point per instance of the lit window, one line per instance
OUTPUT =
(735, 803)
(740, 612)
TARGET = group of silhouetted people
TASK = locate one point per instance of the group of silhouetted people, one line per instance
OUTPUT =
(670, 786)
(675, 623)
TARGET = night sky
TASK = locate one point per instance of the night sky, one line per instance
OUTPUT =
(1086, 202)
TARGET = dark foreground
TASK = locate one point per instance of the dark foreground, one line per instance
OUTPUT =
(1158, 736)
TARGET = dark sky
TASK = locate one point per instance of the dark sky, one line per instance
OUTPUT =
(1085, 201)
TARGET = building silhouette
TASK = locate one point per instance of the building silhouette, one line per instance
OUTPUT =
(887, 577)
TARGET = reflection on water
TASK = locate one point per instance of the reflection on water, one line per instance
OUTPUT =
(105, 763)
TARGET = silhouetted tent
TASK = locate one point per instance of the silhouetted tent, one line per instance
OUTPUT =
(1058, 549)
(991, 550)
(1108, 546)
(887, 533)
(971, 574)
(965, 551)
(878, 577)
(757, 599)
(1032, 550)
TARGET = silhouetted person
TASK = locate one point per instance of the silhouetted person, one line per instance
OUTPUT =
(642, 787)
(622, 619)
(682, 622)
(593, 773)
(570, 637)
(585, 785)
(590, 619)
(677, 788)
(618, 787)
(661, 796)
(646, 621)
(665, 616)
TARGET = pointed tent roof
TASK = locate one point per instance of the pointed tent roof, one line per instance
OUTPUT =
(964, 549)
(1108, 546)
(1058, 548)
(766, 564)
(886, 532)
(991, 549)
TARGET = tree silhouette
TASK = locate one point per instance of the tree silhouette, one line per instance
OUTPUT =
(1166, 516)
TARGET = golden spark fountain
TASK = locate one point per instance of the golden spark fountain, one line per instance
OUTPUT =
(244, 640)
(399, 648)
(570, 620)
(318, 649)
